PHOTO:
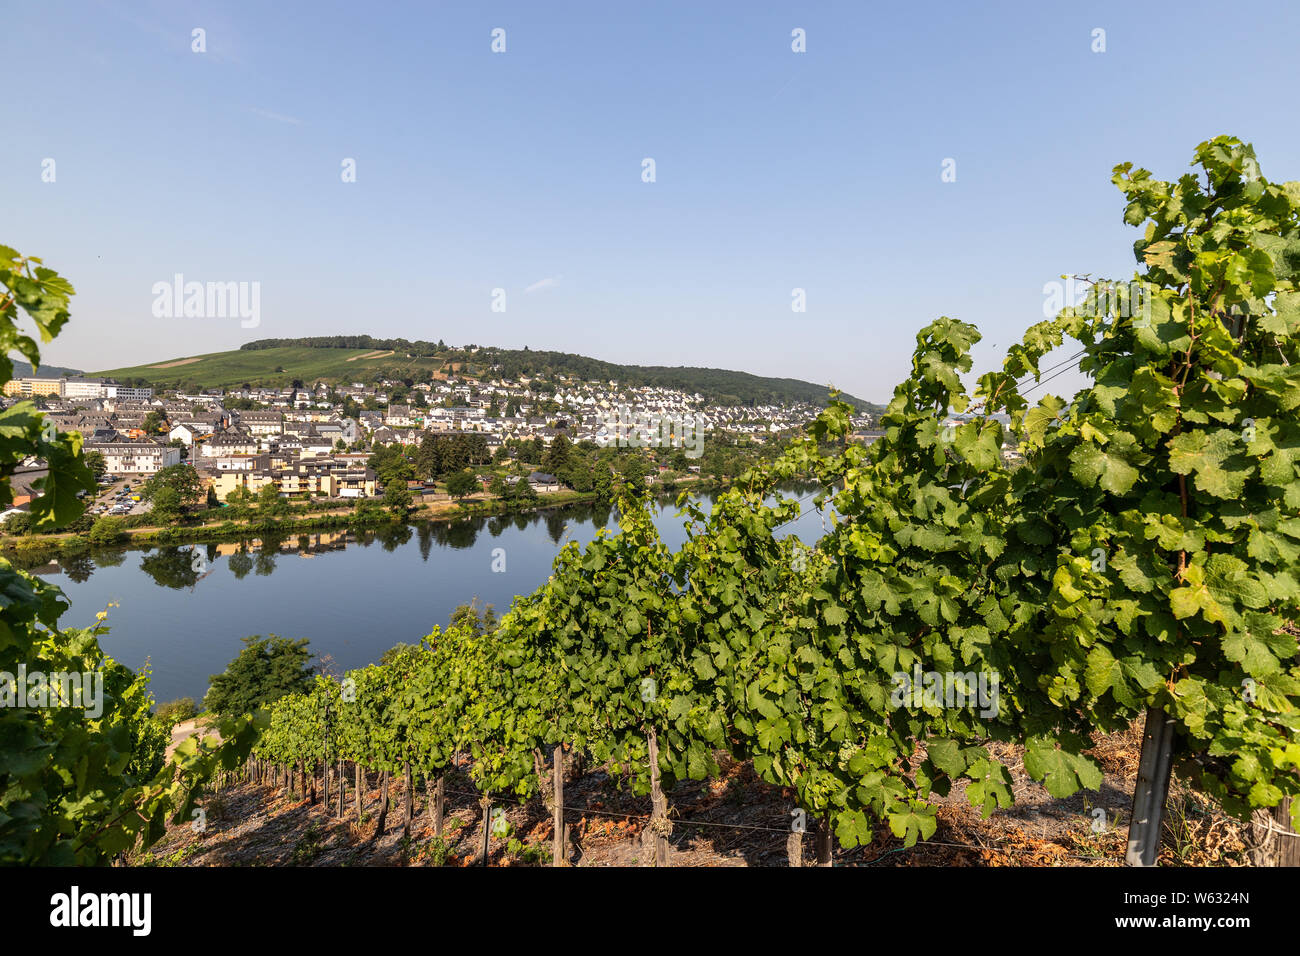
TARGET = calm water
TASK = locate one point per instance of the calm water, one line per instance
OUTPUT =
(352, 595)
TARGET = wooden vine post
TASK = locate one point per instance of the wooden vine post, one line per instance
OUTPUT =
(825, 840)
(486, 804)
(408, 802)
(660, 827)
(439, 804)
(1272, 841)
(559, 854)
(383, 806)
(794, 840)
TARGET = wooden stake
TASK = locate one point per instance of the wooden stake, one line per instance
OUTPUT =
(487, 828)
(825, 840)
(658, 829)
(1273, 841)
(559, 852)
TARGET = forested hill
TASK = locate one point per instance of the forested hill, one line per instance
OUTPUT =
(357, 357)
(24, 369)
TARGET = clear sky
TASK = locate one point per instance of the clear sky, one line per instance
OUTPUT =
(522, 170)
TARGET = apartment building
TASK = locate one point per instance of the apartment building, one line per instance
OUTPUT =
(31, 387)
(136, 457)
(262, 424)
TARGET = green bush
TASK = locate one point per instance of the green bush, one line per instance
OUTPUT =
(175, 711)
(107, 529)
(18, 524)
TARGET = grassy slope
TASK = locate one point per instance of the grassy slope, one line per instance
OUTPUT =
(258, 367)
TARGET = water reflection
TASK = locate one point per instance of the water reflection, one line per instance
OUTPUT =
(174, 567)
(352, 594)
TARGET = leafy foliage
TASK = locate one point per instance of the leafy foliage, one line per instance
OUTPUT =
(267, 669)
(82, 774)
(1143, 556)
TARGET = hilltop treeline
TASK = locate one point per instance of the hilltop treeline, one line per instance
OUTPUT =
(720, 385)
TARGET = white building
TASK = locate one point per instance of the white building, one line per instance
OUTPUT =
(136, 457)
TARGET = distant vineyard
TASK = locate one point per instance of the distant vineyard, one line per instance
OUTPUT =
(279, 362)
(739, 388)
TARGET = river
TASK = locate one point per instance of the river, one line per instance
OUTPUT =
(353, 595)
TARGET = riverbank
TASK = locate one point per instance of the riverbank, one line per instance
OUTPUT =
(32, 549)
(49, 546)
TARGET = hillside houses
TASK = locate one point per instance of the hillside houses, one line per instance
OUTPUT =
(295, 437)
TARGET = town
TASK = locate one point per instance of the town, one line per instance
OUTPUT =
(327, 442)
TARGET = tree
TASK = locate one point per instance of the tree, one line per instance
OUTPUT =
(266, 669)
(166, 505)
(462, 483)
(428, 458)
(269, 502)
(212, 500)
(96, 463)
(557, 456)
(154, 422)
(397, 498)
(239, 500)
(390, 464)
(183, 479)
(17, 524)
(176, 711)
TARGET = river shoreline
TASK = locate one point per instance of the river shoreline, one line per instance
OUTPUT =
(35, 549)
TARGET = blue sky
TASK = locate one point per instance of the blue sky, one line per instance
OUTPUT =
(520, 170)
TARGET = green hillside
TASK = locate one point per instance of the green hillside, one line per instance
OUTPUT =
(24, 369)
(274, 366)
(277, 362)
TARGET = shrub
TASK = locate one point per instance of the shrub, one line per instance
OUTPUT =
(175, 711)
(107, 530)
